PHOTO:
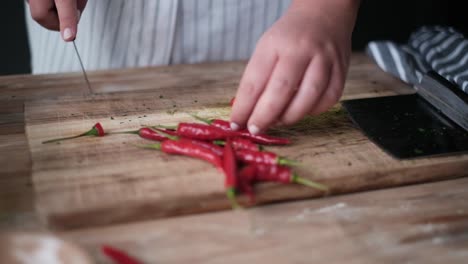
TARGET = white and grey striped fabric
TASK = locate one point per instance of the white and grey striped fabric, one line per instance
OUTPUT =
(140, 33)
(441, 49)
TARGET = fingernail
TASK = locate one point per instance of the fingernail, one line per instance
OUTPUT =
(234, 126)
(78, 16)
(67, 34)
(253, 129)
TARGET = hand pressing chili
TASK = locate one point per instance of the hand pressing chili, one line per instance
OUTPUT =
(259, 139)
(118, 256)
(97, 130)
(187, 149)
(282, 174)
(263, 157)
(230, 172)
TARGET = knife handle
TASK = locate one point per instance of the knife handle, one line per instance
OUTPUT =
(446, 97)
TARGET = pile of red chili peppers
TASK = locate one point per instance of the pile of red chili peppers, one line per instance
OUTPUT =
(239, 155)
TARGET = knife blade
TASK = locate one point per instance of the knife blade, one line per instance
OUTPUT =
(90, 91)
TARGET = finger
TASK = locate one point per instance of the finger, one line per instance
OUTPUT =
(312, 87)
(252, 84)
(68, 15)
(43, 12)
(332, 94)
(281, 87)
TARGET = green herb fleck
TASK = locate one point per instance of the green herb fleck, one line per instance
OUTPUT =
(112, 118)
(422, 130)
(161, 97)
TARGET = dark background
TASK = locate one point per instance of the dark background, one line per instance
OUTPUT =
(378, 19)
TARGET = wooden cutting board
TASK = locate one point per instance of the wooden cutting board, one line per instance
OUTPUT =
(98, 181)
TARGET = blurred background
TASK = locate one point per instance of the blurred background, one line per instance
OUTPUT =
(377, 20)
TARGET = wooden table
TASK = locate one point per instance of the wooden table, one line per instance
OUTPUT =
(425, 223)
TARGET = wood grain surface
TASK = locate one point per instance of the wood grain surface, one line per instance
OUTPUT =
(426, 223)
(98, 181)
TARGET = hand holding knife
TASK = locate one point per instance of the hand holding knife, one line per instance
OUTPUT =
(63, 16)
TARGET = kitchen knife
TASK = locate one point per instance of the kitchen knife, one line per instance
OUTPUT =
(430, 122)
(89, 91)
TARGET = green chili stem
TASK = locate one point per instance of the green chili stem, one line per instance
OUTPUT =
(219, 142)
(299, 180)
(91, 132)
(204, 120)
(287, 162)
(231, 195)
(149, 146)
(136, 132)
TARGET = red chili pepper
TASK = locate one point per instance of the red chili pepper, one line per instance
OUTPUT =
(97, 131)
(187, 149)
(203, 132)
(259, 139)
(166, 130)
(244, 144)
(223, 124)
(265, 139)
(230, 172)
(246, 179)
(146, 133)
(263, 157)
(118, 256)
(208, 145)
(282, 174)
(241, 144)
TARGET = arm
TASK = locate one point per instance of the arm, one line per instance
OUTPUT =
(299, 65)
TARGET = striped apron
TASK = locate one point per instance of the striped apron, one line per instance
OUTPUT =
(120, 33)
